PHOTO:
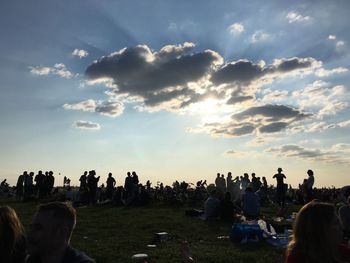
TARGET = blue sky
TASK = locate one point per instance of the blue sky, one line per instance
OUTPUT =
(175, 89)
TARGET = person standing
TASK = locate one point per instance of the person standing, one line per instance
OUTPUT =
(281, 193)
(309, 184)
(110, 186)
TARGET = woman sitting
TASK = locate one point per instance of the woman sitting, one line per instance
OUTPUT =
(12, 241)
(317, 236)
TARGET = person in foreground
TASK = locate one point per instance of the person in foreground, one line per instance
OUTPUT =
(49, 237)
(317, 236)
(12, 241)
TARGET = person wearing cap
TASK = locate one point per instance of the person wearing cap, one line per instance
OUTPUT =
(280, 187)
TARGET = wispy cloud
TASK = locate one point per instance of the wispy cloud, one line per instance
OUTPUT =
(80, 53)
(110, 108)
(58, 69)
(293, 17)
(259, 36)
(236, 28)
(337, 154)
(86, 125)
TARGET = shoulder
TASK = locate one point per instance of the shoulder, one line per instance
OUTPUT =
(293, 257)
(73, 255)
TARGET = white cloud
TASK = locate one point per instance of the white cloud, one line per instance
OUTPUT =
(295, 17)
(326, 73)
(58, 69)
(332, 37)
(259, 36)
(86, 105)
(80, 53)
(86, 125)
(235, 153)
(110, 108)
(340, 43)
(236, 28)
(336, 154)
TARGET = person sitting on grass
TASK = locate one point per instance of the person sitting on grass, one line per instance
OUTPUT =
(211, 206)
(344, 214)
(250, 204)
(317, 236)
(12, 241)
(226, 208)
(50, 233)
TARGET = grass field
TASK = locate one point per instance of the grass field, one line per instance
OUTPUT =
(113, 234)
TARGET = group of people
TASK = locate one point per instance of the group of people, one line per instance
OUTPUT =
(47, 240)
(26, 189)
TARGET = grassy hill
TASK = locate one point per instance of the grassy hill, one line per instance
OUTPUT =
(113, 234)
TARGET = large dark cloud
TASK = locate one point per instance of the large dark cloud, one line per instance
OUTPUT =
(241, 71)
(272, 113)
(158, 77)
(154, 76)
(244, 71)
(261, 119)
(332, 155)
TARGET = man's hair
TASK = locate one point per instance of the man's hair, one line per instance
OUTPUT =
(62, 212)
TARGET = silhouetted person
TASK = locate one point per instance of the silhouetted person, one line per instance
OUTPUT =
(226, 208)
(19, 185)
(92, 185)
(245, 181)
(128, 185)
(309, 184)
(250, 203)
(230, 184)
(217, 180)
(211, 206)
(148, 185)
(110, 186)
(50, 234)
(82, 180)
(135, 178)
(51, 182)
(281, 191)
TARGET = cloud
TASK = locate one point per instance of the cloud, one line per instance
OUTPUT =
(332, 37)
(319, 127)
(236, 28)
(156, 77)
(259, 36)
(275, 95)
(177, 79)
(110, 108)
(58, 69)
(86, 105)
(335, 154)
(235, 153)
(293, 17)
(265, 119)
(86, 125)
(80, 53)
(326, 73)
(321, 95)
(272, 113)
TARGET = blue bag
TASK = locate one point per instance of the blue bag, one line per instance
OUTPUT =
(246, 233)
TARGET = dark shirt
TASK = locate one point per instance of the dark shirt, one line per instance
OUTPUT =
(279, 178)
(70, 256)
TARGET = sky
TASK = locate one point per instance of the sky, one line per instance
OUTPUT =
(175, 90)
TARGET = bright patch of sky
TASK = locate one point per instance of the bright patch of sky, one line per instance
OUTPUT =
(175, 89)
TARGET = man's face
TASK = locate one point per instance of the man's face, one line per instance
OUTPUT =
(43, 237)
